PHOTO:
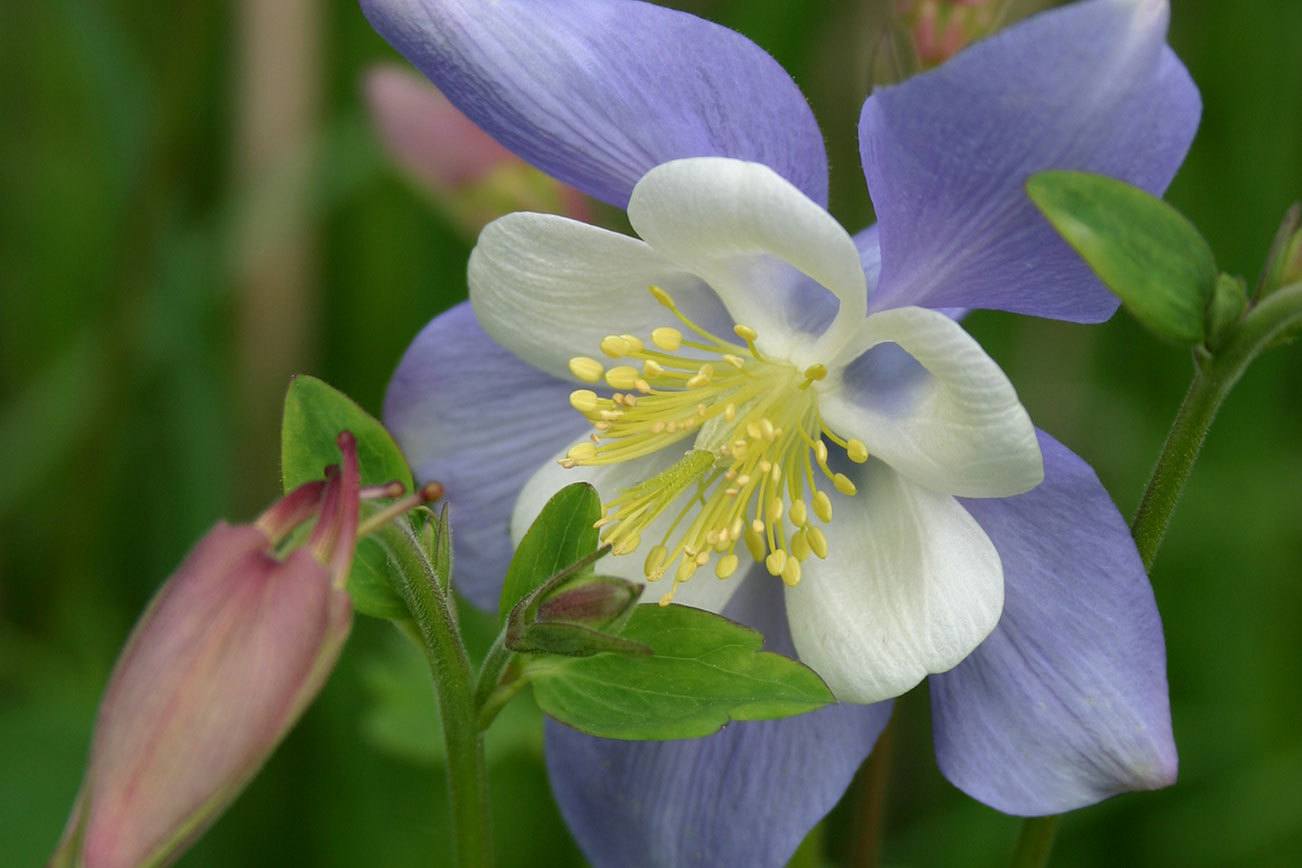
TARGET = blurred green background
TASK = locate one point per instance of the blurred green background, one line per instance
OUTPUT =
(193, 206)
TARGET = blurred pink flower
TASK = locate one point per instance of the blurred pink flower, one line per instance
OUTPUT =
(464, 169)
(940, 29)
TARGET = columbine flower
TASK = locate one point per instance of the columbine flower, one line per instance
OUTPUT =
(229, 653)
(773, 336)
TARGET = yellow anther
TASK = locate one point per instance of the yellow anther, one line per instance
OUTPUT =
(774, 509)
(791, 573)
(815, 372)
(745, 332)
(654, 567)
(702, 559)
(734, 529)
(651, 369)
(586, 369)
(663, 297)
(622, 377)
(582, 452)
(730, 412)
(686, 568)
(820, 452)
(800, 545)
(583, 400)
(726, 566)
(642, 386)
(703, 377)
(615, 346)
(668, 598)
(799, 513)
(766, 426)
(776, 562)
(776, 473)
(857, 451)
(823, 506)
(844, 485)
(754, 431)
(634, 344)
(736, 361)
(754, 543)
(667, 339)
(626, 545)
(817, 542)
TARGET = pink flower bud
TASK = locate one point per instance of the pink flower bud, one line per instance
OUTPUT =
(939, 29)
(463, 168)
(226, 657)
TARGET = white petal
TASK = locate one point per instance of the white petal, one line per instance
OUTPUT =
(703, 590)
(911, 586)
(549, 288)
(751, 235)
(952, 423)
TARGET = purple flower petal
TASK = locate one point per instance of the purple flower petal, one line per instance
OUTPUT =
(471, 415)
(1091, 87)
(1066, 703)
(745, 796)
(597, 92)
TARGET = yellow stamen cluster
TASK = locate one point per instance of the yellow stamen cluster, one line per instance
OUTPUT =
(757, 436)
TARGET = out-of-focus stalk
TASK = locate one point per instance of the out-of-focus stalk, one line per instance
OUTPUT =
(278, 84)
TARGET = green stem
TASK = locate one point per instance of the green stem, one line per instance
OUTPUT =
(1035, 842)
(1217, 373)
(431, 608)
(870, 807)
(491, 695)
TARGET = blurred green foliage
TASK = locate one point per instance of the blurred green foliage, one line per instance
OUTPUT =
(125, 431)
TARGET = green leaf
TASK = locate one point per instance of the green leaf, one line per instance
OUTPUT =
(314, 415)
(704, 671)
(1147, 253)
(562, 534)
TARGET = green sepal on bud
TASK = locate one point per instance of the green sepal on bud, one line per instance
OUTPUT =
(570, 619)
(1147, 253)
(572, 640)
(1229, 301)
(1284, 264)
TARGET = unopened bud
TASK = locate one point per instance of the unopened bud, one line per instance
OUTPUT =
(595, 601)
(233, 647)
(940, 29)
(464, 170)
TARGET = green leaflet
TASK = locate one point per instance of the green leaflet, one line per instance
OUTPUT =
(1144, 250)
(314, 415)
(562, 534)
(704, 671)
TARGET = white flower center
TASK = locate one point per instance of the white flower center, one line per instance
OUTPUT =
(757, 435)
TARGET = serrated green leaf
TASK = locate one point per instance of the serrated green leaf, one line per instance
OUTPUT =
(1145, 251)
(704, 671)
(314, 415)
(562, 534)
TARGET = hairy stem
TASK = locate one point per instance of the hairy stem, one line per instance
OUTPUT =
(431, 608)
(1217, 373)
